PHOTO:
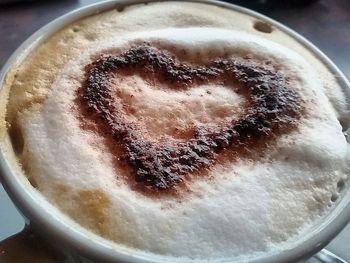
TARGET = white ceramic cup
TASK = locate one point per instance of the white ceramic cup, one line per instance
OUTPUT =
(76, 245)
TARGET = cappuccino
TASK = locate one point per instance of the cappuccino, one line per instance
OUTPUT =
(182, 131)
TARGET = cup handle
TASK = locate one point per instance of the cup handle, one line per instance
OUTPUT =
(26, 247)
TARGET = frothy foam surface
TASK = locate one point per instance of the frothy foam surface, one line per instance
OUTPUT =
(243, 207)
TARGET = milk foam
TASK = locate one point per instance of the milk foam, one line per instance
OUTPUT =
(248, 207)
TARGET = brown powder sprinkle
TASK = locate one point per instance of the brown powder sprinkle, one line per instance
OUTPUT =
(272, 108)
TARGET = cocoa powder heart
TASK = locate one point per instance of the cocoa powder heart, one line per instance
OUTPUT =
(272, 108)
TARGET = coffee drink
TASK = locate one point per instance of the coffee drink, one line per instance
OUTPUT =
(187, 130)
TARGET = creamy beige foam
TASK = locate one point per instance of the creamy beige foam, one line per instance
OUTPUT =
(249, 207)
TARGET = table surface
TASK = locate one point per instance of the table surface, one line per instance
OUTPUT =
(325, 23)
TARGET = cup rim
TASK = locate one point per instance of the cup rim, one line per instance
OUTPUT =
(93, 249)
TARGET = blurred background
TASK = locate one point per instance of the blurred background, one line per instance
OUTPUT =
(325, 23)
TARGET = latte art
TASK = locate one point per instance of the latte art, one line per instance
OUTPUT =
(180, 132)
(272, 108)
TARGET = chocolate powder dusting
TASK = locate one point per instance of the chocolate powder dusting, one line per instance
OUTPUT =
(272, 108)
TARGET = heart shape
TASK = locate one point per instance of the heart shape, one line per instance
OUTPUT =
(271, 108)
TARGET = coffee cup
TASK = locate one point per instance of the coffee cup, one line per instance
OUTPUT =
(77, 243)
